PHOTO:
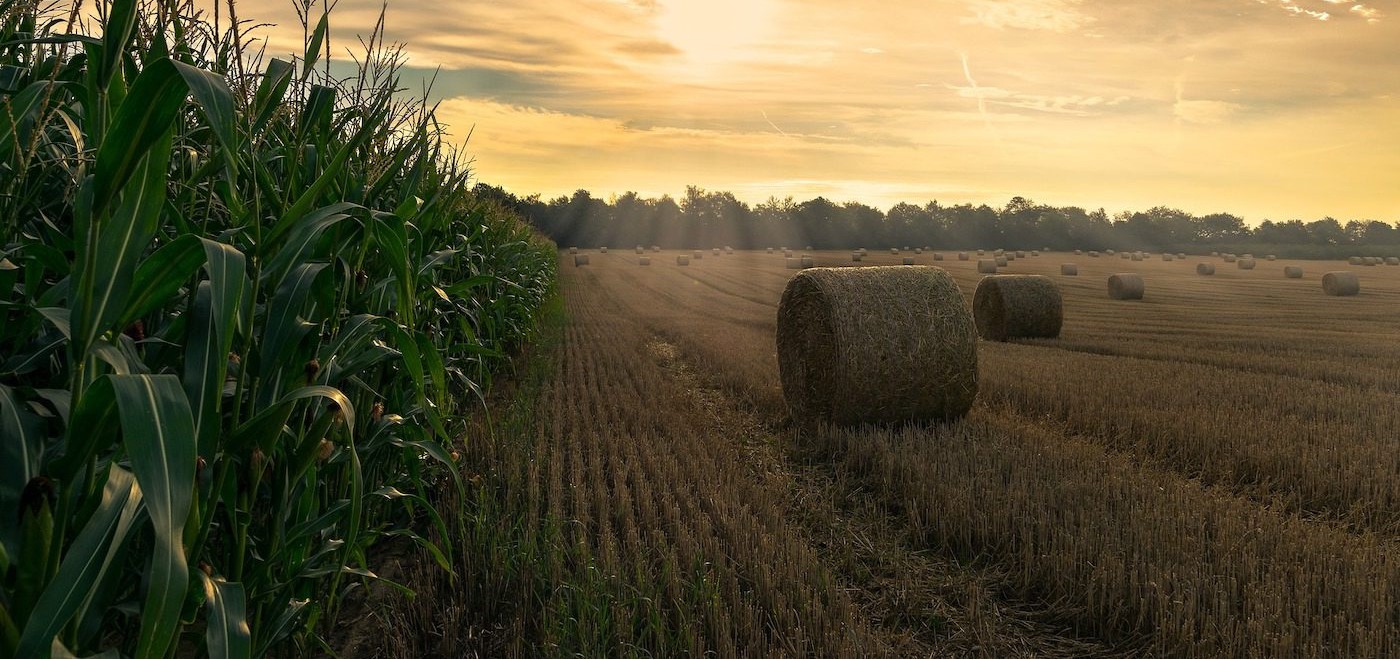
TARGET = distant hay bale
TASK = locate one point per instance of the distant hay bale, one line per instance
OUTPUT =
(640, 249)
(981, 252)
(894, 250)
(1204, 268)
(1109, 252)
(963, 256)
(656, 248)
(998, 252)
(1245, 264)
(1246, 256)
(1341, 283)
(573, 250)
(918, 250)
(1094, 254)
(715, 252)
(909, 261)
(697, 254)
(1002, 260)
(1215, 254)
(1392, 261)
(728, 250)
(864, 252)
(855, 256)
(1181, 255)
(1020, 254)
(580, 260)
(1373, 261)
(986, 266)
(1167, 257)
(1124, 255)
(1008, 257)
(1136, 256)
(1355, 261)
(1069, 269)
(1293, 272)
(1011, 306)
(682, 260)
(784, 248)
(1035, 253)
(877, 345)
(787, 253)
(770, 250)
(938, 256)
(808, 248)
(1125, 286)
(807, 262)
(1044, 249)
(793, 263)
(1079, 252)
(643, 261)
(1270, 257)
(1229, 258)
(603, 250)
(906, 248)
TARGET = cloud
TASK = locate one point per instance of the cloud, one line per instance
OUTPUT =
(1204, 112)
(1053, 15)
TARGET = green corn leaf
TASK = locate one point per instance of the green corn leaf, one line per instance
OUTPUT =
(87, 559)
(159, 433)
(206, 363)
(304, 236)
(136, 128)
(110, 264)
(227, 635)
(285, 327)
(313, 45)
(213, 95)
(271, 91)
(161, 276)
(391, 236)
(265, 428)
(332, 172)
(90, 429)
(21, 447)
(121, 23)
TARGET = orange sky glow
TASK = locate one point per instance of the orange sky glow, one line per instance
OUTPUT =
(1275, 109)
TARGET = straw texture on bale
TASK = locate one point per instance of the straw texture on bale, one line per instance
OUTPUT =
(1011, 306)
(643, 261)
(1069, 269)
(1002, 260)
(1245, 264)
(1341, 283)
(580, 260)
(909, 261)
(1125, 286)
(986, 266)
(963, 256)
(938, 256)
(1293, 272)
(1205, 269)
(682, 260)
(877, 345)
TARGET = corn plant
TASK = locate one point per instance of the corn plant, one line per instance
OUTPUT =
(246, 307)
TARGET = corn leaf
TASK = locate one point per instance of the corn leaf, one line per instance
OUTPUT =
(227, 635)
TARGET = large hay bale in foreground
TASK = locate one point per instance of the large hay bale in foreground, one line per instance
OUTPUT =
(1293, 272)
(1002, 260)
(963, 256)
(1010, 306)
(1069, 269)
(1245, 264)
(1341, 283)
(1125, 286)
(643, 261)
(881, 344)
(987, 266)
(682, 260)
(580, 260)
(1205, 269)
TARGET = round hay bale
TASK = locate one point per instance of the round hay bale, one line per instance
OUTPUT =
(1355, 261)
(1245, 264)
(1094, 254)
(1079, 252)
(715, 252)
(640, 249)
(1229, 258)
(1293, 272)
(906, 248)
(1270, 257)
(1069, 269)
(643, 261)
(1246, 256)
(909, 261)
(1181, 255)
(603, 250)
(894, 250)
(580, 260)
(697, 254)
(1109, 252)
(1009, 257)
(998, 252)
(1205, 269)
(728, 250)
(1214, 254)
(855, 256)
(963, 256)
(864, 252)
(770, 250)
(1167, 257)
(938, 256)
(573, 250)
(682, 260)
(879, 345)
(987, 266)
(807, 262)
(1125, 286)
(787, 253)
(1010, 306)
(1124, 255)
(1373, 261)
(1341, 283)
(656, 248)
(1136, 256)
(1002, 260)
(1392, 261)
(918, 250)
(1035, 253)
(792, 263)
(784, 248)
(981, 252)
(1020, 254)
(808, 248)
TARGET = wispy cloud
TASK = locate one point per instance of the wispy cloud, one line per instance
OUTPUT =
(1053, 15)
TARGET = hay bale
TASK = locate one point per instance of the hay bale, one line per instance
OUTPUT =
(793, 263)
(728, 250)
(640, 249)
(1069, 269)
(1373, 261)
(1167, 257)
(808, 248)
(1204, 268)
(682, 260)
(918, 250)
(1108, 252)
(1125, 286)
(938, 256)
(1181, 255)
(1009, 257)
(1002, 260)
(1136, 256)
(697, 254)
(770, 250)
(981, 253)
(1392, 261)
(987, 266)
(1094, 254)
(1035, 253)
(909, 261)
(573, 250)
(1229, 258)
(998, 252)
(603, 250)
(906, 248)
(1355, 261)
(787, 254)
(1011, 306)
(807, 262)
(580, 260)
(1020, 254)
(1270, 257)
(1341, 283)
(855, 256)
(877, 345)
(894, 250)
(963, 256)
(1293, 272)
(1245, 264)
(1078, 252)
(643, 261)
(1214, 254)
(715, 251)
(1124, 255)
(656, 248)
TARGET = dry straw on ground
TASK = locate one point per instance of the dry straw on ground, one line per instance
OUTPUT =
(876, 345)
(1011, 306)
(1341, 283)
(1069, 269)
(1205, 269)
(1125, 286)
(1293, 272)
(580, 260)
(986, 266)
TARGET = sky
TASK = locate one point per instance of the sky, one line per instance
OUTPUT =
(1276, 109)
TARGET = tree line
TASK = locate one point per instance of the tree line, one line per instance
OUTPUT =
(705, 219)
